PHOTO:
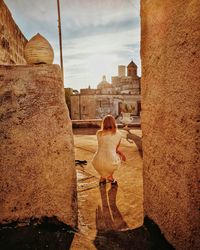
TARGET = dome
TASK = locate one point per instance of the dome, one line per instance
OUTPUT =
(104, 84)
(132, 65)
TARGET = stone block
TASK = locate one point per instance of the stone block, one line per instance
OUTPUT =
(36, 146)
(170, 52)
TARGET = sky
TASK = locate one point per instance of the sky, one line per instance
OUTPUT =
(97, 35)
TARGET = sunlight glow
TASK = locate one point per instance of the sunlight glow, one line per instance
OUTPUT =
(97, 35)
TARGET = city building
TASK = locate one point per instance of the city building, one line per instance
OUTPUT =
(121, 95)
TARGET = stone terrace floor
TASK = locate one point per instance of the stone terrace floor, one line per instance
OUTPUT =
(108, 210)
(111, 217)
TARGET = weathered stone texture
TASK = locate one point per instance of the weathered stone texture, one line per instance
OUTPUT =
(36, 146)
(12, 41)
(171, 116)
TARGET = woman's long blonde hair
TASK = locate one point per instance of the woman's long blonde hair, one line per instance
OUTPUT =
(108, 125)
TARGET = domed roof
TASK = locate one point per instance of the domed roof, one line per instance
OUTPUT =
(104, 84)
(132, 65)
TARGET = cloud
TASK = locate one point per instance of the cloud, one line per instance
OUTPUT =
(97, 34)
(98, 55)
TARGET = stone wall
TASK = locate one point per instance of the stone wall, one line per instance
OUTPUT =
(75, 107)
(12, 41)
(84, 106)
(171, 116)
(36, 146)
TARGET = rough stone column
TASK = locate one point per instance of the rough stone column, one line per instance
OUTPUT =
(37, 174)
(171, 116)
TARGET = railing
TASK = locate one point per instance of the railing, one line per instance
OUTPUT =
(87, 123)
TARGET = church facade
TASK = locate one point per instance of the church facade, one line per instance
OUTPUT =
(121, 95)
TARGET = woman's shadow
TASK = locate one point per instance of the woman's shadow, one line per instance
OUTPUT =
(113, 232)
(108, 217)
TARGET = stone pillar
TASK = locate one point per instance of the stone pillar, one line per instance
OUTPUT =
(36, 146)
(170, 51)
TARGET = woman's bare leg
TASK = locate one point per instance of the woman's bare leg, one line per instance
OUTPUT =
(102, 180)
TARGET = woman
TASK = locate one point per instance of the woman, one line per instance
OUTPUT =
(108, 156)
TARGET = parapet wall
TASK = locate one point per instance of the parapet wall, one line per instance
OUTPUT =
(170, 51)
(12, 41)
(36, 146)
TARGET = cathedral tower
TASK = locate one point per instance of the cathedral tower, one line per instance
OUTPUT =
(132, 69)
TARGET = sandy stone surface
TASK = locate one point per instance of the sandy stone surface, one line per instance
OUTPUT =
(170, 118)
(12, 40)
(36, 146)
(109, 208)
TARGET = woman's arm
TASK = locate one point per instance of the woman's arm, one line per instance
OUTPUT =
(120, 153)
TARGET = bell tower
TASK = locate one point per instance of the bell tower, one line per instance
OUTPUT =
(132, 69)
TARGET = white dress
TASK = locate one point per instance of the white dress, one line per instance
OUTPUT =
(106, 160)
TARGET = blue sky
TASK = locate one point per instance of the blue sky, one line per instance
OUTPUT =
(98, 35)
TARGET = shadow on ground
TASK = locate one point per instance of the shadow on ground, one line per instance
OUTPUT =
(109, 222)
(40, 237)
(147, 237)
(108, 216)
